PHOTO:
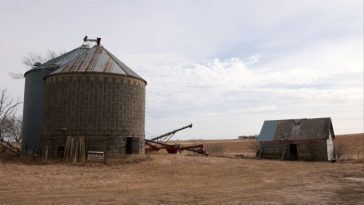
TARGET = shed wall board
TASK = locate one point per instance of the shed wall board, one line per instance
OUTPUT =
(312, 151)
(330, 148)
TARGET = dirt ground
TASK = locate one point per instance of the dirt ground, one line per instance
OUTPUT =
(181, 179)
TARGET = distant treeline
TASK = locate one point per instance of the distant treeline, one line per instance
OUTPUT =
(244, 137)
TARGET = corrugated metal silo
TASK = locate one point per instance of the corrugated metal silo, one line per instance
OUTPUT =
(33, 98)
(98, 97)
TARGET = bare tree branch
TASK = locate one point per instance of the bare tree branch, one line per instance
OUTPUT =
(33, 58)
(17, 75)
(51, 55)
(340, 150)
(7, 112)
(14, 129)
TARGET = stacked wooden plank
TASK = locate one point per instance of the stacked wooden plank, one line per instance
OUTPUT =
(75, 151)
(95, 156)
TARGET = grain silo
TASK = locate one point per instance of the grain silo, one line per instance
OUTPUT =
(33, 98)
(98, 97)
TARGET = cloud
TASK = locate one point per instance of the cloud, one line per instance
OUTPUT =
(224, 65)
(216, 91)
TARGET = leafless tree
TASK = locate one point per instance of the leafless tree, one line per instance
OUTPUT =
(14, 129)
(33, 58)
(7, 113)
(16, 75)
(340, 150)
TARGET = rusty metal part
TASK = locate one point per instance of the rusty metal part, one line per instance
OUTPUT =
(160, 142)
(174, 148)
(97, 40)
(165, 137)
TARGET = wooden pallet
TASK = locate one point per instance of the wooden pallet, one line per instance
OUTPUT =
(95, 156)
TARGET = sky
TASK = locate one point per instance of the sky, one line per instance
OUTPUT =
(223, 65)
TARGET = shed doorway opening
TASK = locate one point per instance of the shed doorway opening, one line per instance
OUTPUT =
(60, 151)
(293, 152)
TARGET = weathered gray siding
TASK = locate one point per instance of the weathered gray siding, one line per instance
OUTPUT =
(313, 150)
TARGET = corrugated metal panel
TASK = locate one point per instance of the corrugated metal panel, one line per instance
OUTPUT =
(69, 56)
(97, 59)
(61, 60)
(124, 67)
(268, 131)
(103, 61)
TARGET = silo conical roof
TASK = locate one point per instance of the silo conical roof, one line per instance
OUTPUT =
(99, 60)
(62, 59)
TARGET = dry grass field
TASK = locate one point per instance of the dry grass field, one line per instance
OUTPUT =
(353, 146)
(184, 179)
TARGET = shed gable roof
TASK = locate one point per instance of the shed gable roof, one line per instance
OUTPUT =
(296, 129)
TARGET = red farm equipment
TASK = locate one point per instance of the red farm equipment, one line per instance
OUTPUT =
(160, 142)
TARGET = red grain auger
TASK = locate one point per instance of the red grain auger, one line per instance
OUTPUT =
(160, 142)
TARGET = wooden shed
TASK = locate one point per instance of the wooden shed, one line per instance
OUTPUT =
(297, 139)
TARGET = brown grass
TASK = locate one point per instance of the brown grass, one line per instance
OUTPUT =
(230, 148)
(353, 146)
(180, 179)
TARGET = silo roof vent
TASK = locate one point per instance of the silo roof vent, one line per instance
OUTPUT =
(97, 40)
(35, 65)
